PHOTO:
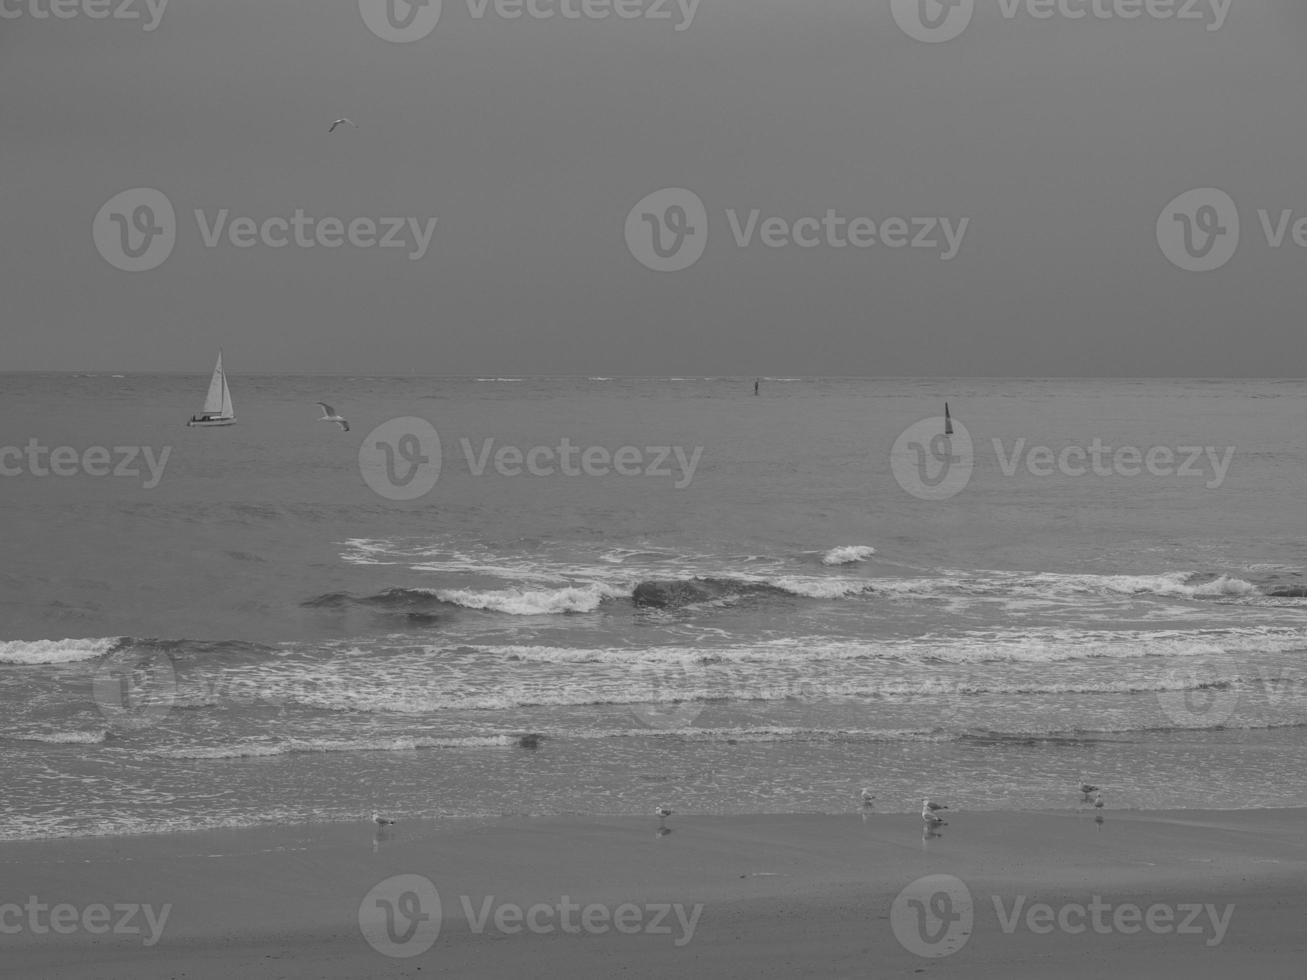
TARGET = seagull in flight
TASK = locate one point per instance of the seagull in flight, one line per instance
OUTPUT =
(329, 415)
(381, 821)
(342, 121)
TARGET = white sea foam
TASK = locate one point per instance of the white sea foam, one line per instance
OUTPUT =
(245, 750)
(54, 651)
(534, 602)
(61, 738)
(848, 554)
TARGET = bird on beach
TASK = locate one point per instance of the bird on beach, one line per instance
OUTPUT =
(867, 796)
(930, 817)
(329, 415)
(1086, 789)
(1098, 801)
(381, 821)
(663, 812)
(342, 121)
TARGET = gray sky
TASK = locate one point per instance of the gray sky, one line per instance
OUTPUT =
(1060, 141)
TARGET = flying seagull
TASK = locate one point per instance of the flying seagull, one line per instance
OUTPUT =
(329, 415)
(382, 821)
(342, 121)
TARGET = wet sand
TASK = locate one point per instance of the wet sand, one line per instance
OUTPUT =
(1195, 893)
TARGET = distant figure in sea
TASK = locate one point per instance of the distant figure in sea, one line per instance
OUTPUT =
(756, 383)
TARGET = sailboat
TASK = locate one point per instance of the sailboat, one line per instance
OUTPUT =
(948, 421)
(217, 403)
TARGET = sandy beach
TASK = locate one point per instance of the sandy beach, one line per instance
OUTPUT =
(1196, 893)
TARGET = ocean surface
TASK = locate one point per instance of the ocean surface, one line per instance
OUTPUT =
(260, 635)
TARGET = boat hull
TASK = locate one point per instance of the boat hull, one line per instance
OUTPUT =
(210, 422)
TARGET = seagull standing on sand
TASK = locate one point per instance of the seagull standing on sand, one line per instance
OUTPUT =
(1086, 789)
(382, 821)
(663, 812)
(1098, 801)
(329, 415)
(342, 121)
(867, 796)
(929, 816)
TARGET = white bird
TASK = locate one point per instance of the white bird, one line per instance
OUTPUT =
(931, 818)
(342, 121)
(1087, 788)
(381, 821)
(1098, 801)
(867, 796)
(927, 805)
(663, 812)
(329, 415)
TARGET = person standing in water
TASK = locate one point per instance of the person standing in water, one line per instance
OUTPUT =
(756, 382)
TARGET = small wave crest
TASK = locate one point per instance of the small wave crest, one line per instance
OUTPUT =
(849, 554)
(55, 651)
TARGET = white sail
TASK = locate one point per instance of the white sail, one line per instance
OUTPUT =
(227, 411)
(218, 400)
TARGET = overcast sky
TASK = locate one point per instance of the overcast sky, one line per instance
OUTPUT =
(1059, 141)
